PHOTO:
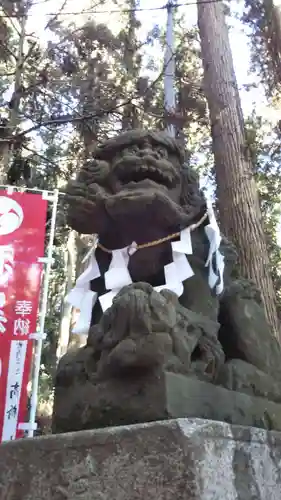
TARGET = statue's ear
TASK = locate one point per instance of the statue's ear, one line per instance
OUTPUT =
(191, 194)
(184, 195)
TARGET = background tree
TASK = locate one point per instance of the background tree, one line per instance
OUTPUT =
(263, 141)
(238, 200)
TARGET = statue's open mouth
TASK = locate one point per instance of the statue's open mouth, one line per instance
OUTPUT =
(144, 172)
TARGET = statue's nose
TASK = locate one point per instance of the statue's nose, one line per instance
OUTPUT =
(149, 152)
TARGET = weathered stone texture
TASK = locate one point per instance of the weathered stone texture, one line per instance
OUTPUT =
(158, 397)
(155, 356)
(181, 459)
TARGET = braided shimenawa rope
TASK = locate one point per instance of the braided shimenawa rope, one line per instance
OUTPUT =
(161, 240)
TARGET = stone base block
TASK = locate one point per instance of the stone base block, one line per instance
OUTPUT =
(184, 459)
(167, 396)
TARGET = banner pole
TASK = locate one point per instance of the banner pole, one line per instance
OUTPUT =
(39, 343)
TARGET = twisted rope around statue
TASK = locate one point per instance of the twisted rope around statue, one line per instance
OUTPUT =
(157, 242)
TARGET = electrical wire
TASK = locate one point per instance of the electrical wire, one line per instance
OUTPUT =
(118, 11)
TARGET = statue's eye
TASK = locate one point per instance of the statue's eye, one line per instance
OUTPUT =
(162, 152)
(132, 150)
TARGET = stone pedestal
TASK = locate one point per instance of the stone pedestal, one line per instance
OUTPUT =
(167, 396)
(184, 459)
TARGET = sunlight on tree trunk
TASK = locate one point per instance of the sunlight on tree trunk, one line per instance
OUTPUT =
(66, 309)
(81, 244)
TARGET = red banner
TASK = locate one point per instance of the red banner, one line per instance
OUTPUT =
(22, 235)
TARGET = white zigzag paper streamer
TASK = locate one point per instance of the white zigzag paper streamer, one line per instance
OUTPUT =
(215, 278)
(82, 297)
(118, 275)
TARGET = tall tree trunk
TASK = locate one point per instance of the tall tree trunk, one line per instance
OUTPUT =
(66, 309)
(169, 73)
(130, 114)
(89, 103)
(238, 201)
(15, 102)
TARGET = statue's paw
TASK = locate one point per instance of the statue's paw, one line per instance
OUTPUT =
(86, 212)
(123, 356)
(139, 355)
(95, 171)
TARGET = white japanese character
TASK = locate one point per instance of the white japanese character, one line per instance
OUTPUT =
(2, 299)
(23, 307)
(21, 326)
(2, 320)
(6, 263)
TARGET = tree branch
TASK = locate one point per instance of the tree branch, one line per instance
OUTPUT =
(44, 158)
(62, 120)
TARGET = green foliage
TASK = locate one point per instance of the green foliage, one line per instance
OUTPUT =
(265, 41)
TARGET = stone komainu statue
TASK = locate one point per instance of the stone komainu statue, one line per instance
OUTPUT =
(161, 351)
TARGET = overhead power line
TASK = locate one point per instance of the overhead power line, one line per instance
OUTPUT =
(116, 11)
